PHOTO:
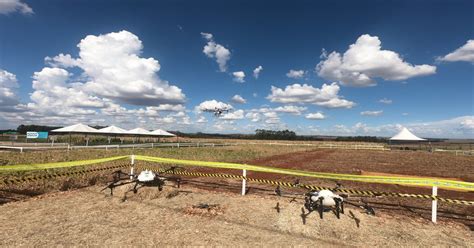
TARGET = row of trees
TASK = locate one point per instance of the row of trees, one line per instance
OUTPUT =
(262, 134)
(275, 135)
(22, 129)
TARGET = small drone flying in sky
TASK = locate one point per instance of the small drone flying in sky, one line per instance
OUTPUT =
(218, 111)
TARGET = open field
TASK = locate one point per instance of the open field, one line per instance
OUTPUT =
(88, 217)
(404, 221)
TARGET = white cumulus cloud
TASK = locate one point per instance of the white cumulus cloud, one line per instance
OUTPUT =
(365, 61)
(216, 51)
(372, 113)
(111, 71)
(114, 69)
(256, 71)
(290, 109)
(464, 53)
(326, 96)
(315, 116)
(239, 76)
(253, 116)
(61, 60)
(11, 6)
(8, 86)
(385, 101)
(234, 115)
(211, 105)
(238, 99)
(54, 95)
(295, 74)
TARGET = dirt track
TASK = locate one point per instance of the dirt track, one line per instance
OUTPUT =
(398, 162)
(88, 217)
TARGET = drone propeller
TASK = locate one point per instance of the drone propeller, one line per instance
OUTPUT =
(113, 185)
(352, 216)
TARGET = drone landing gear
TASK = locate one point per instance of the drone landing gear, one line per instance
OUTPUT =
(339, 208)
(158, 182)
(317, 205)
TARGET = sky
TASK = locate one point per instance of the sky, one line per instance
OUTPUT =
(314, 67)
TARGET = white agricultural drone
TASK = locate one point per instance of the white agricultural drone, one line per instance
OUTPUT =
(146, 178)
(324, 200)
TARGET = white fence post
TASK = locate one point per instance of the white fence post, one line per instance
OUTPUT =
(132, 165)
(244, 181)
(434, 205)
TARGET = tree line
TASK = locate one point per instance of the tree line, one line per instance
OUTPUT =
(260, 134)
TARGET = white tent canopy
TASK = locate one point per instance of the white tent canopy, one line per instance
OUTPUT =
(406, 135)
(84, 129)
(160, 132)
(77, 128)
(138, 131)
(112, 130)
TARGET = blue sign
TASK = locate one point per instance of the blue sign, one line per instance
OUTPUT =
(36, 135)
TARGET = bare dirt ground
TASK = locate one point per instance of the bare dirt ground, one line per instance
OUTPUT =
(88, 217)
(398, 162)
(35, 214)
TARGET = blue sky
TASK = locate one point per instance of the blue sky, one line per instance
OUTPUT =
(157, 64)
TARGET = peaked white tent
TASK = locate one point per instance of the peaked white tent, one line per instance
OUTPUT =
(112, 130)
(406, 135)
(77, 128)
(160, 132)
(138, 131)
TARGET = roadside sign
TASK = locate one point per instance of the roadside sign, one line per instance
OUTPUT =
(36, 135)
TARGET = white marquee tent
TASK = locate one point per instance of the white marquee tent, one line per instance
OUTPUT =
(77, 128)
(139, 131)
(406, 135)
(160, 132)
(112, 130)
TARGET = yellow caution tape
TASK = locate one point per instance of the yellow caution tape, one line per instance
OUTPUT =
(413, 181)
(30, 167)
(33, 178)
(311, 187)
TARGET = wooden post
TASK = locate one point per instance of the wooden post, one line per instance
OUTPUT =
(244, 181)
(434, 205)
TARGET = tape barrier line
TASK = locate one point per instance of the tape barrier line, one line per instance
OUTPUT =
(33, 178)
(412, 181)
(30, 167)
(309, 187)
